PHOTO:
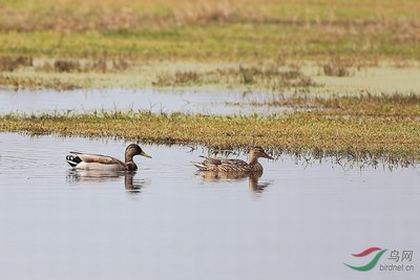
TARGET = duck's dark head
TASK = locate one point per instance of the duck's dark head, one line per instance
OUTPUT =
(133, 150)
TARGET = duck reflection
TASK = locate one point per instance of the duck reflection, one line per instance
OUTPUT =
(254, 183)
(256, 186)
(103, 176)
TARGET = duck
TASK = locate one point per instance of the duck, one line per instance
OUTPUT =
(234, 167)
(101, 162)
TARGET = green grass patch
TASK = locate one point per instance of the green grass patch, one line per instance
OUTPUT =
(248, 30)
(392, 139)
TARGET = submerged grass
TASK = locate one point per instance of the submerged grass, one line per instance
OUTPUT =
(269, 77)
(396, 140)
(55, 73)
(385, 106)
(23, 82)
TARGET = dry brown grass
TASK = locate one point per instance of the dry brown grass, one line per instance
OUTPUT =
(11, 63)
(262, 76)
(335, 70)
(67, 66)
(78, 15)
(17, 82)
(97, 65)
(179, 78)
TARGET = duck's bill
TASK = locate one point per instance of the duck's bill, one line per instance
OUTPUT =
(145, 155)
(268, 156)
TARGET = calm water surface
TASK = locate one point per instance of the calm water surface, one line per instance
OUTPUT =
(86, 100)
(165, 222)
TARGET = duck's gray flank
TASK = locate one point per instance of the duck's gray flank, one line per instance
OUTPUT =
(86, 161)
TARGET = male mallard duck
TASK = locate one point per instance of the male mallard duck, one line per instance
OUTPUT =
(235, 166)
(100, 162)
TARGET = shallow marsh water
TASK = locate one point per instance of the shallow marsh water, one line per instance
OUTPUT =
(168, 101)
(165, 222)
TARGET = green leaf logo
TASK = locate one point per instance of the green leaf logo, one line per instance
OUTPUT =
(370, 265)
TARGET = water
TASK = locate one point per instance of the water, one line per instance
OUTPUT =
(166, 222)
(87, 100)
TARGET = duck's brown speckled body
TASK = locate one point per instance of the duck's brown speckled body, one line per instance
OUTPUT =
(235, 166)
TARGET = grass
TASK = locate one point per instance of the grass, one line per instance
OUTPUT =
(22, 82)
(179, 78)
(385, 106)
(64, 74)
(245, 44)
(94, 36)
(218, 42)
(247, 30)
(272, 77)
(366, 134)
(11, 63)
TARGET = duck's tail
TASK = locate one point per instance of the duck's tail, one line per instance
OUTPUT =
(73, 160)
(200, 166)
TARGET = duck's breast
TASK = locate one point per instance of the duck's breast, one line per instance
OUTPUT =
(256, 168)
(99, 166)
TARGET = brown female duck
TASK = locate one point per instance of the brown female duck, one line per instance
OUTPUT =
(235, 166)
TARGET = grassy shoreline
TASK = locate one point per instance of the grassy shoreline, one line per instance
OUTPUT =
(392, 139)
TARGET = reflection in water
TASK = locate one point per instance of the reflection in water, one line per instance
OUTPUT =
(99, 176)
(253, 180)
(257, 186)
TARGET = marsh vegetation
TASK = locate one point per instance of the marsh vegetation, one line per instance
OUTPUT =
(246, 40)
(366, 127)
(307, 54)
(246, 30)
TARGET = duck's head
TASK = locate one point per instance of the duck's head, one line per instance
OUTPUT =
(257, 152)
(133, 150)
